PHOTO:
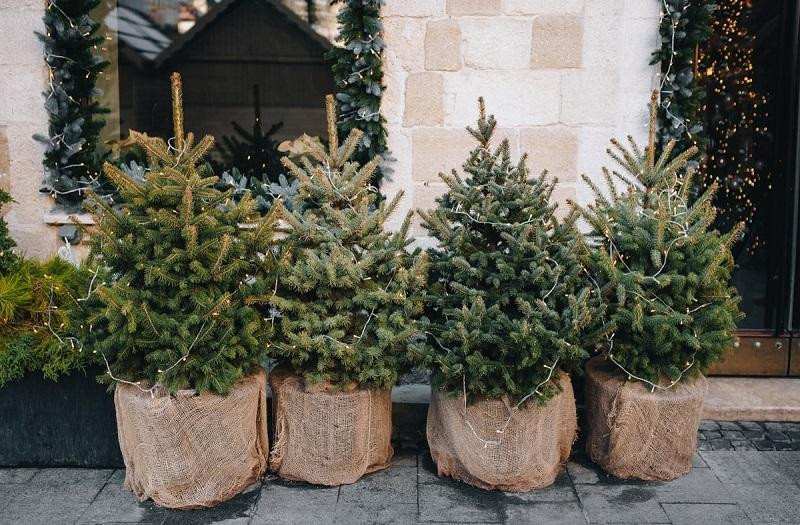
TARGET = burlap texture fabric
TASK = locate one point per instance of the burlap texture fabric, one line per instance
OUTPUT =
(191, 451)
(638, 434)
(527, 455)
(328, 436)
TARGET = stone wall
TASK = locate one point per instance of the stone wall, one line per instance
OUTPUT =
(561, 76)
(22, 80)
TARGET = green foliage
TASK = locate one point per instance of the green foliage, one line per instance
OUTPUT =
(664, 274)
(41, 304)
(358, 70)
(8, 259)
(508, 301)
(72, 161)
(349, 293)
(685, 25)
(181, 310)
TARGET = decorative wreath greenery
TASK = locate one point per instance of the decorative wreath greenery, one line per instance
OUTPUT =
(72, 161)
(685, 25)
(358, 71)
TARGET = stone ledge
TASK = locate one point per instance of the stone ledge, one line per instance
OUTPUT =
(752, 399)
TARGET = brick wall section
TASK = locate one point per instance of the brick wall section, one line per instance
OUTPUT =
(562, 77)
(22, 80)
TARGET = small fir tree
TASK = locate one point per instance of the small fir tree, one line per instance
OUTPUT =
(181, 311)
(8, 259)
(349, 293)
(508, 306)
(664, 274)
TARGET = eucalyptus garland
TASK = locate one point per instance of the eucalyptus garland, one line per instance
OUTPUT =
(685, 25)
(72, 161)
(358, 72)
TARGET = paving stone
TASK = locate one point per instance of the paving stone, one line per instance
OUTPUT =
(376, 513)
(700, 485)
(721, 444)
(794, 435)
(743, 445)
(751, 425)
(116, 504)
(712, 434)
(709, 425)
(698, 462)
(458, 502)
(764, 444)
(704, 445)
(783, 445)
(550, 513)
(768, 502)
(235, 511)
(796, 445)
(560, 490)
(426, 469)
(780, 426)
(787, 462)
(729, 425)
(732, 434)
(17, 475)
(56, 496)
(701, 436)
(294, 503)
(7, 495)
(753, 434)
(705, 513)
(777, 436)
(744, 467)
(620, 504)
(398, 485)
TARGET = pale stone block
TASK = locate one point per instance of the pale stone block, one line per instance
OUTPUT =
(641, 39)
(21, 87)
(399, 178)
(601, 42)
(589, 97)
(496, 43)
(560, 197)
(414, 8)
(439, 150)
(423, 107)
(443, 46)
(425, 195)
(539, 7)
(635, 9)
(402, 36)
(17, 27)
(592, 145)
(554, 149)
(517, 98)
(557, 42)
(473, 7)
(393, 99)
(5, 162)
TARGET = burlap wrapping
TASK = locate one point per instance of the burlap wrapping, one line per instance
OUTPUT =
(638, 434)
(527, 455)
(327, 436)
(191, 451)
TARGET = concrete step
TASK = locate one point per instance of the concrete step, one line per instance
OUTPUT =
(753, 399)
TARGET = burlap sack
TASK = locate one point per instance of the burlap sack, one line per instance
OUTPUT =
(191, 451)
(638, 434)
(527, 455)
(327, 436)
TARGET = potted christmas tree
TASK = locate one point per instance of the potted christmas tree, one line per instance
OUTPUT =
(348, 296)
(509, 317)
(178, 327)
(665, 276)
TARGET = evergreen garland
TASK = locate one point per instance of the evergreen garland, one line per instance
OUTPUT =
(685, 25)
(8, 259)
(349, 292)
(72, 159)
(509, 306)
(358, 72)
(181, 311)
(664, 273)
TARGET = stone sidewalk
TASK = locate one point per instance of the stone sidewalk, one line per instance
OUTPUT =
(724, 486)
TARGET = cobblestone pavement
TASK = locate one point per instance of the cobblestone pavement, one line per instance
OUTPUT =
(724, 486)
(748, 435)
